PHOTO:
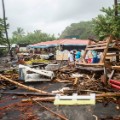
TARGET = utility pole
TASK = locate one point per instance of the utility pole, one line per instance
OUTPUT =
(116, 14)
(5, 26)
(116, 5)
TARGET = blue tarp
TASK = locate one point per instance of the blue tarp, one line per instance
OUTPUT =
(47, 46)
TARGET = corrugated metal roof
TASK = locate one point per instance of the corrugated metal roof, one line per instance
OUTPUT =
(62, 42)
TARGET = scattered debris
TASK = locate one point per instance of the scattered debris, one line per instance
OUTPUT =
(84, 84)
(23, 86)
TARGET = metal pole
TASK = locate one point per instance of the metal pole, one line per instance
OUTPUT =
(5, 25)
(116, 14)
(116, 10)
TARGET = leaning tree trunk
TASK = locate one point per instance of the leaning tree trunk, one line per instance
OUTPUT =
(5, 26)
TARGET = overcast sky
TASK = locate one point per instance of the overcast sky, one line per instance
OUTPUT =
(50, 16)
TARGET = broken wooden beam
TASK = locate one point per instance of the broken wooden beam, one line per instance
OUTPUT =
(116, 67)
(26, 93)
(42, 99)
(91, 64)
(24, 86)
(75, 81)
(51, 99)
(62, 81)
(114, 94)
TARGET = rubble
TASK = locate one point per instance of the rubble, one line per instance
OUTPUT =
(102, 79)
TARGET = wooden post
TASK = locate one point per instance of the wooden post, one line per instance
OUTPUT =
(109, 39)
(24, 86)
(84, 55)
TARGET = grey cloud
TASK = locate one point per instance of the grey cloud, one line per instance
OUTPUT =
(80, 8)
(51, 16)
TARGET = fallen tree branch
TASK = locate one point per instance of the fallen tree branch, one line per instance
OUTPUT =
(26, 93)
(24, 86)
(46, 108)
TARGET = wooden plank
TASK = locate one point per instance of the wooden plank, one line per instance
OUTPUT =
(96, 45)
(96, 48)
(102, 60)
(43, 99)
(100, 42)
(75, 81)
(116, 67)
(84, 55)
(25, 93)
(114, 94)
(111, 55)
(92, 64)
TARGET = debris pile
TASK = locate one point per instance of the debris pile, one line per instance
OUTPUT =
(63, 84)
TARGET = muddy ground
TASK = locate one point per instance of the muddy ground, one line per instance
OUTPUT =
(11, 107)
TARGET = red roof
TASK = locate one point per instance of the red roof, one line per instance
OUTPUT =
(63, 42)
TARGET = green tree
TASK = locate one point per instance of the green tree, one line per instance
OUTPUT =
(2, 39)
(18, 35)
(19, 32)
(107, 23)
(81, 30)
(30, 38)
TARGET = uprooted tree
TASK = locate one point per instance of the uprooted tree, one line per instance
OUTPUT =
(107, 24)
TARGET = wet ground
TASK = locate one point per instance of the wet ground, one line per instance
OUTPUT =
(11, 107)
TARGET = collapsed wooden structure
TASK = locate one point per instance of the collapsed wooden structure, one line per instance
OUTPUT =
(108, 48)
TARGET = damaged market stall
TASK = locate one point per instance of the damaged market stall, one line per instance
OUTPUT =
(60, 46)
(68, 44)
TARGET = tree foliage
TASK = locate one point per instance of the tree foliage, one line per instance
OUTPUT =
(19, 37)
(107, 23)
(2, 32)
(81, 30)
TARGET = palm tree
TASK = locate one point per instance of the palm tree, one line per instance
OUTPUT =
(19, 32)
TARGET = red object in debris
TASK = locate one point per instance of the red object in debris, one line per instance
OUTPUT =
(89, 60)
(116, 82)
(115, 86)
